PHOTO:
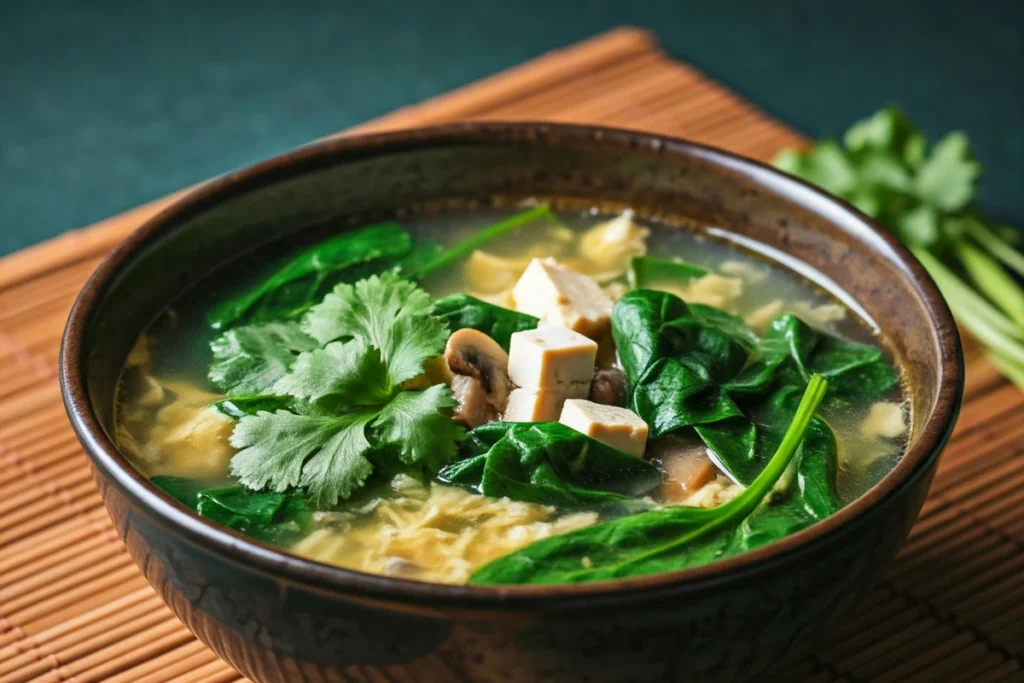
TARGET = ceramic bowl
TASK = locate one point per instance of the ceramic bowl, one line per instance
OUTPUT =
(275, 616)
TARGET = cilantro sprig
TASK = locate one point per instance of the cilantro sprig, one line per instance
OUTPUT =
(349, 407)
(925, 196)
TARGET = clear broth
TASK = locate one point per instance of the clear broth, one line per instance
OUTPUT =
(433, 532)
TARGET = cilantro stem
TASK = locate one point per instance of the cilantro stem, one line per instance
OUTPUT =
(966, 299)
(991, 279)
(996, 246)
(467, 246)
(1013, 371)
(983, 321)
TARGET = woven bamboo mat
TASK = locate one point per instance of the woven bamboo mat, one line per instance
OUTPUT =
(74, 607)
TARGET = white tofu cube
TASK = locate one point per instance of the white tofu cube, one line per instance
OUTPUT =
(551, 357)
(617, 427)
(563, 297)
(528, 405)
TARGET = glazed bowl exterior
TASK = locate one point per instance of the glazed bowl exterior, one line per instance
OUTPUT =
(275, 616)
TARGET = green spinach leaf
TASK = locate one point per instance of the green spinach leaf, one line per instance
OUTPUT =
(659, 540)
(701, 368)
(646, 271)
(461, 310)
(275, 517)
(293, 288)
(548, 463)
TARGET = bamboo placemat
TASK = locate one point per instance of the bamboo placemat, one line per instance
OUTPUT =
(74, 607)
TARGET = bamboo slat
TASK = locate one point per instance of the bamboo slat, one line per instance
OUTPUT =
(73, 606)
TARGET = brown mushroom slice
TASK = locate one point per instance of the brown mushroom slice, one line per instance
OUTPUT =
(471, 353)
(473, 409)
(686, 465)
(608, 387)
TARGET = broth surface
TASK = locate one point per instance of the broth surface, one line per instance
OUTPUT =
(406, 527)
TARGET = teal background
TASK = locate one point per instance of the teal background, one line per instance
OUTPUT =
(105, 105)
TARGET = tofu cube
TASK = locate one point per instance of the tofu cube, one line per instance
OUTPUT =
(528, 405)
(617, 427)
(551, 357)
(563, 297)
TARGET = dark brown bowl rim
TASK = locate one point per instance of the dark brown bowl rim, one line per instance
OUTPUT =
(239, 549)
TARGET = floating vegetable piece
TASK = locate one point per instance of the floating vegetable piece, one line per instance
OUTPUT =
(661, 540)
(351, 411)
(250, 359)
(268, 516)
(306, 277)
(473, 354)
(612, 244)
(646, 272)
(549, 463)
(463, 311)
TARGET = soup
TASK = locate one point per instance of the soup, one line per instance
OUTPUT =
(534, 397)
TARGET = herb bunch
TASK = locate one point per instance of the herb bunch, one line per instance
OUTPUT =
(925, 195)
(348, 412)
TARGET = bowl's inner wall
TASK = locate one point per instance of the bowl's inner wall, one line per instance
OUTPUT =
(742, 198)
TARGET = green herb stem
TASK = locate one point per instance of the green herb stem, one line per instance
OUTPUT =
(742, 505)
(500, 228)
(989, 276)
(997, 332)
(996, 246)
(1013, 371)
(961, 296)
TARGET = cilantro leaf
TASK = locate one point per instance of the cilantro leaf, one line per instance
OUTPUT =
(352, 372)
(387, 312)
(412, 423)
(888, 131)
(366, 310)
(341, 466)
(275, 448)
(825, 165)
(413, 341)
(946, 178)
(925, 197)
(919, 226)
(250, 359)
(346, 411)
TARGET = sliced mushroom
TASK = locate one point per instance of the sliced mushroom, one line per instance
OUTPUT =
(473, 409)
(473, 354)
(686, 464)
(608, 387)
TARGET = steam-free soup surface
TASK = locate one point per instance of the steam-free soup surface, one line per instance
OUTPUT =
(414, 504)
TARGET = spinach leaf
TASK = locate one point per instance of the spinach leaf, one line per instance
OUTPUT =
(422, 253)
(701, 368)
(248, 360)
(549, 463)
(793, 349)
(305, 278)
(275, 517)
(461, 310)
(659, 540)
(644, 271)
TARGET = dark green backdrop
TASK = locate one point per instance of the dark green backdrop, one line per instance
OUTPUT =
(105, 104)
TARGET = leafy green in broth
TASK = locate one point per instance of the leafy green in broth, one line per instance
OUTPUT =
(313, 406)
